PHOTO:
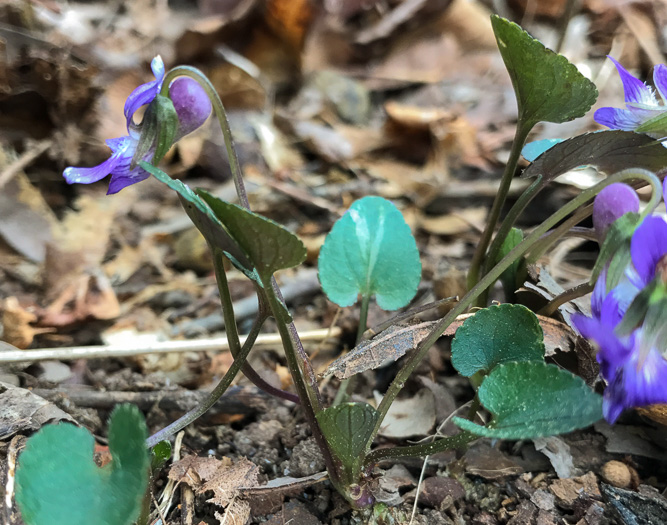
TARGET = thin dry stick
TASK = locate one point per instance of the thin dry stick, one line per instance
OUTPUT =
(24, 160)
(199, 345)
(423, 471)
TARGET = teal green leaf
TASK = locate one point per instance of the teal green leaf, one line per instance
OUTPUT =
(58, 483)
(347, 427)
(534, 149)
(268, 245)
(495, 335)
(608, 151)
(531, 399)
(548, 87)
(204, 219)
(370, 250)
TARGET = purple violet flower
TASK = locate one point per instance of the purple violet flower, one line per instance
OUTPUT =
(145, 93)
(648, 250)
(632, 365)
(192, 107)
(634, 377)
(611, 203)
(640, 101)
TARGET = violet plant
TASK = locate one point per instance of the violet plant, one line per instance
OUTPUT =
(370, 252)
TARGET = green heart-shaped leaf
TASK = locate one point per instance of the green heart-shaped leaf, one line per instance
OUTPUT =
(205, 220)
(548, 87)
(348, 427)
(370, 250)
(608, 151)
(268, 245)
(58, 483)
(495, 335)
(531, 399)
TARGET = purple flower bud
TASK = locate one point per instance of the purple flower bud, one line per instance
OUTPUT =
(611, 203)
(192, 104)
(192, 107)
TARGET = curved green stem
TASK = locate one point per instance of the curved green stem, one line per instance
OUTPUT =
(363, 316)
(215, 394)
(415, 357)
(568, 295)
(520, 136)
(232, 330)
(552, 236)
(426, 449)
(221, 114)
(347, 384)
(628, 174)
(510, 220)
(310, 400)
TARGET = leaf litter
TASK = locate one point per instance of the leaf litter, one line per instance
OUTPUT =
(407, 100)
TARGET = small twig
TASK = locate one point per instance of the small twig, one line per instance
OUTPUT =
(426, 458)
(24, 160)
(98, 352)
(237, 400)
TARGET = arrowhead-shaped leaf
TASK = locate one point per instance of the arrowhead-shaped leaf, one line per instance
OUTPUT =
(268, 245)
(495, 335)
(548, 87)
(204, 219)
(607, 151)
(370, 250)
(58, 483)
(347, 428)
(531, 399)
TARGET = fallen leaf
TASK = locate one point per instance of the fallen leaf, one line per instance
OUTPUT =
(414, 416)
(22, 411)
(26, 221)
(16, 324)
(389, 345)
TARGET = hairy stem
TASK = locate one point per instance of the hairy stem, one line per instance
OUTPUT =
(426, 449)
(310, 400)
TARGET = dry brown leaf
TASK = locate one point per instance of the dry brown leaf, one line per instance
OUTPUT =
(461, 221)
(470, 22)
(227, 479)
(415, 117)
(290, 19)
(16, 324)
(388, 345)
(26, 220)
(413, 416)
(75, 285)
(193, 470)
(396, 341)
(224, 478)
